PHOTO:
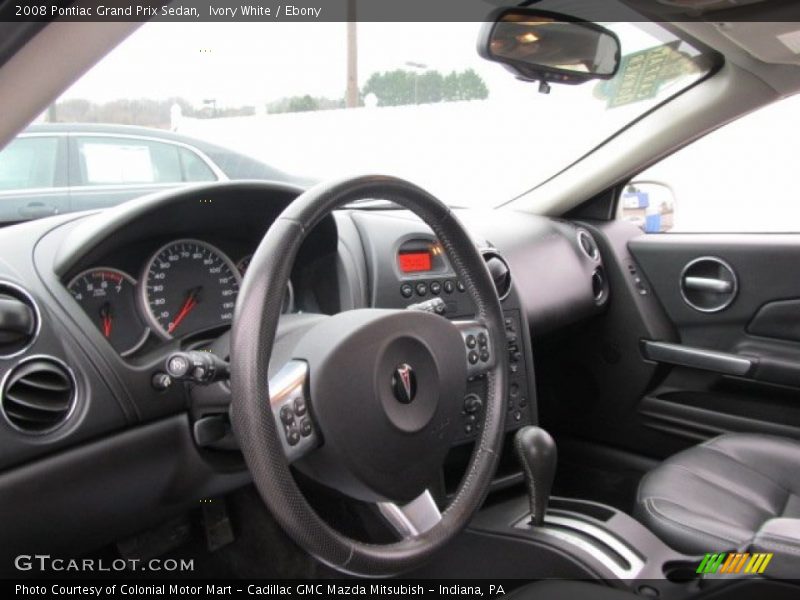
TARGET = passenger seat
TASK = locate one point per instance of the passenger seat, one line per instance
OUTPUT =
(716, 496)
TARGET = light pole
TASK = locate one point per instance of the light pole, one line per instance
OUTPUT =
(418, 66)
(212, 102)
(351, 91)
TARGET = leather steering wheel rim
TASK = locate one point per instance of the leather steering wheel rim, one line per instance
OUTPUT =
(258, 309)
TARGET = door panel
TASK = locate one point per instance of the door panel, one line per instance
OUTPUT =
(598, 383)
(751, 320)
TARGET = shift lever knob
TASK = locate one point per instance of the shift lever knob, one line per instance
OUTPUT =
(538, 455)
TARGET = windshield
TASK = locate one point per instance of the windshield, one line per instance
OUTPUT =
(305, 102)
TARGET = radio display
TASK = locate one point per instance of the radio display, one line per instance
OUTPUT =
(414, 262)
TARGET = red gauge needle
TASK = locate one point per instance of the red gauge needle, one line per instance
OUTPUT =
(190, 302)
(105, 315)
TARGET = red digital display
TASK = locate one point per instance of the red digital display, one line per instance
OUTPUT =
(414, 262)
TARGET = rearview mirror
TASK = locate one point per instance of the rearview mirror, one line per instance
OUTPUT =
(544, 46)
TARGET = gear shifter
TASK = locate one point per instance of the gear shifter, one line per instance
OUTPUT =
(537, 453)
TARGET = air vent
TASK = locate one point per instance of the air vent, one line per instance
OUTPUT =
(599, 285)
(38, 395)
(19, 320)
(588, 245)
(498, 269)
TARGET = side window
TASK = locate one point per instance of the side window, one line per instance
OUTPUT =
(194, 168)
(741, 178)
(29, 162)
(115, 161)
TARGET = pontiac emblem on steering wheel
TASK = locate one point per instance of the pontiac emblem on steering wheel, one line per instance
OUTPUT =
(404, 384)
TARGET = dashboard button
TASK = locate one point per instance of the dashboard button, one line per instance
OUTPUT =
(407, 290)
(436, 288)
(472, 403)
(460, 286)
(448, 287)
(422, 288)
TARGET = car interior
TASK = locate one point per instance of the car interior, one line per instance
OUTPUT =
(358, 379)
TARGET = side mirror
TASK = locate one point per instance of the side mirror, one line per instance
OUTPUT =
(539, 45)
(648, 204)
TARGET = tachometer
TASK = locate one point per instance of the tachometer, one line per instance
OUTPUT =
(188, 285)
(288, 299)
(109, 298)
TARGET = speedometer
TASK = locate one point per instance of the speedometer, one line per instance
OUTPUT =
(187, 286)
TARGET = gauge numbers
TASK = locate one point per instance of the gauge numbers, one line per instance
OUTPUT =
(108, 296)
(187, 286)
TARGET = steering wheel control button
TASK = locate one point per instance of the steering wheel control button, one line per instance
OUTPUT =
(407, 290)
(292, 435)
(449, 288)
(300, 408)
(436, 288)
(479, 352)
(422, 288)
(306, 429)
(287, 415)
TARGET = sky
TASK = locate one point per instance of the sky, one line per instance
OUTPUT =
(244, 63)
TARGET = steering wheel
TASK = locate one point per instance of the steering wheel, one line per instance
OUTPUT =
(370, 401)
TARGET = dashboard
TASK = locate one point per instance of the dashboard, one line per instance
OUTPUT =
(109, 295)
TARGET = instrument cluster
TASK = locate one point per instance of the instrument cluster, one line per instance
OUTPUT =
(186, 286)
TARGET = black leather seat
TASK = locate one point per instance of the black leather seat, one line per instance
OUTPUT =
(715, 496)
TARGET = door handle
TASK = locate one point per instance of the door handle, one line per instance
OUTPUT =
(708, 284)
(698, 358)
(35, 210)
